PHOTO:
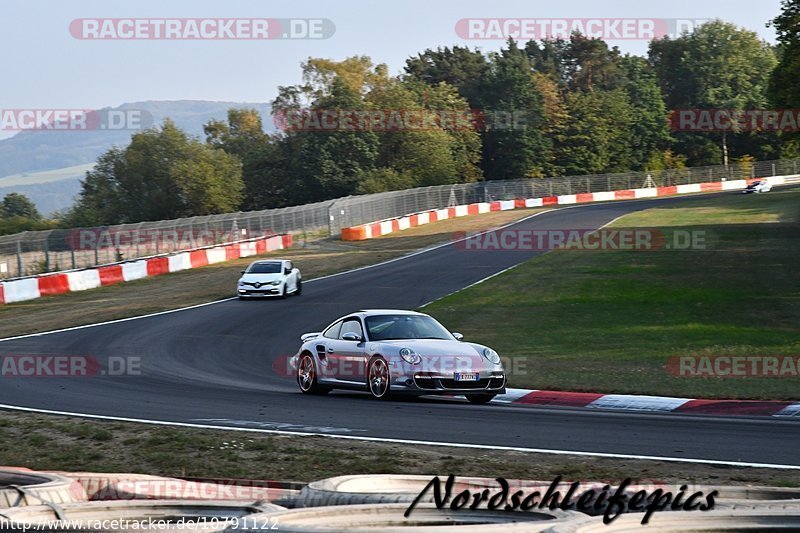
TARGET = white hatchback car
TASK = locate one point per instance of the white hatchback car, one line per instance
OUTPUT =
(270, 277)
(758, 187)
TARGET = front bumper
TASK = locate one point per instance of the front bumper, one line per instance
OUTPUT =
(431, 383)
(252, 292)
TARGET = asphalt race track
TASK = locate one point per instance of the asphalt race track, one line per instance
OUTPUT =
(224, 365)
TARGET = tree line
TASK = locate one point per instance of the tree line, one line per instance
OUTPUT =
(585, 108)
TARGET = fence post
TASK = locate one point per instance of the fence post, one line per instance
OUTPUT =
(19, 258)
(773, 169)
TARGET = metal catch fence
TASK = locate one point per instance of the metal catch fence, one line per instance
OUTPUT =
(35, 252)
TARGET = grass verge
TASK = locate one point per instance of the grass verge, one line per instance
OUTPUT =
(44, 442)
(608, 321)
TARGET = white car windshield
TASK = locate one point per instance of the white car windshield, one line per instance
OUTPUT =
(396, 327)
(264, 268)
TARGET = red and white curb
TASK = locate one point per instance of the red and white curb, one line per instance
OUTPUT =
(628, 402)
(23, 289)
(384, 227)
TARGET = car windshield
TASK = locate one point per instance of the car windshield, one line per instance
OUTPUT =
(264, 268)
(393, 327)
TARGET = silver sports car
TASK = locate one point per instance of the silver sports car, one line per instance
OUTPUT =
(390, 352)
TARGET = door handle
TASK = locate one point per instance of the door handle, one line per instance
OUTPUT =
(330, 349)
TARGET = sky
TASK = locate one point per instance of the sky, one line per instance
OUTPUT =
(44, 66)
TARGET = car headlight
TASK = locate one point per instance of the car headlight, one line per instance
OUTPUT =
(241, 283)
(491, 356)
(410, 356)
(276, 282)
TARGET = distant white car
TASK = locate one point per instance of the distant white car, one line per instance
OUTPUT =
(273, 277)
(757, 187)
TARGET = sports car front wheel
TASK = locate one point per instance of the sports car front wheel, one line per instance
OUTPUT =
(307, 376)
(378, 378)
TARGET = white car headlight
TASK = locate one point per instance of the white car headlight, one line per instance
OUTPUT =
(410, 356)
(276, 282)
(491, 356)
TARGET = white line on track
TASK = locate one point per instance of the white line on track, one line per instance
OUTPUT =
(409, 441)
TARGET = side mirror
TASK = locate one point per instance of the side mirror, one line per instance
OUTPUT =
(287, 271)
(243, 271)
(458, 336)
(351, 337)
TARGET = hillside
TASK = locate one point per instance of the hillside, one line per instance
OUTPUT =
(46, 165)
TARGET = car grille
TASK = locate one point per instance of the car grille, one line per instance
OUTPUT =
(265, 291)
(451, 384)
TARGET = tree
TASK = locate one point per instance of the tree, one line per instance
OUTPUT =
(719, 66)
(243, 135)
(18, 205)
(597, 137)
(458, 67)
(648, 129)
(514, 146)
(784, 91)
(162, 174)
(332, 162)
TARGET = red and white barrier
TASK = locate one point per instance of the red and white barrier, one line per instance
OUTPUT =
(629, 402)
(384, 227)
(83, 280)
(20, 290)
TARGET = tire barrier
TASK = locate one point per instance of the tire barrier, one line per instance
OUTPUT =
(22, 487)
(385, 488)
(113, 486)
(389, 518)
(722, 520)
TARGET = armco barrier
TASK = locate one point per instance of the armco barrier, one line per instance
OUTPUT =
(383, 227)
(19, 290)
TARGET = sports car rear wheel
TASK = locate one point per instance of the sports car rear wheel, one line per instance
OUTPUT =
(480, 398)
(378, 378)
(307, 376)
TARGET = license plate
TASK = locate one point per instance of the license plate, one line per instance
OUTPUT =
(466, 376)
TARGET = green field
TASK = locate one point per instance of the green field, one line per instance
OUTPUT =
(609, 321)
